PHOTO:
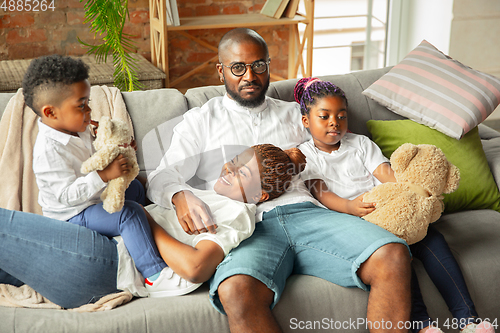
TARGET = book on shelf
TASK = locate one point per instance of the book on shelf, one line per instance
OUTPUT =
(168, 15)
(281, 9)
(271, 7)
(291, 8)
(172, 13)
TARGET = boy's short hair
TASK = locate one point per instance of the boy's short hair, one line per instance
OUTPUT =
(49, 74)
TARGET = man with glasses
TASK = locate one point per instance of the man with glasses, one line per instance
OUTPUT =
(238, 69)
(295, 234)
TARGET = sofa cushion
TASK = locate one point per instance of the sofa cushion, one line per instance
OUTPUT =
(154, 113)
(473, 239)
(306, 300)
(196, 97)
(477, 189)
(430, 88)
(4, 100)
(361, 109)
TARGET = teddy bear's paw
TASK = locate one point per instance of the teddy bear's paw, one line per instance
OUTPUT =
(85, 168)
(112, 207)
(104, 194)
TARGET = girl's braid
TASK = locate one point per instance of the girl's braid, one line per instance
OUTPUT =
(309, 89)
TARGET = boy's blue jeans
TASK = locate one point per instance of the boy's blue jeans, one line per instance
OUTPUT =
(443, 269)
(130, 223)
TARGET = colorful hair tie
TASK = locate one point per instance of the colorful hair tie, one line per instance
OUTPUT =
(311, 81)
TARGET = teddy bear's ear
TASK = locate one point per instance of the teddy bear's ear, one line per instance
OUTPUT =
(402, 156)
(453, 179)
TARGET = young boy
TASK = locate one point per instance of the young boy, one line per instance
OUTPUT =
(57, 89)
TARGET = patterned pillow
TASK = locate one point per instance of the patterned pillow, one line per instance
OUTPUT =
(432, 89)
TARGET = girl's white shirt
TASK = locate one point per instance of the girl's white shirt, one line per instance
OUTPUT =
(348, 171)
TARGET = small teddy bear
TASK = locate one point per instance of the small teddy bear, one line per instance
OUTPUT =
(407, 207)
(113, 138)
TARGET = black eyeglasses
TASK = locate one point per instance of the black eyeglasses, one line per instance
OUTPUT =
(239, 68)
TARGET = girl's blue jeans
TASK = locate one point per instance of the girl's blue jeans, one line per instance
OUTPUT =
(68, 264)
(443, 269)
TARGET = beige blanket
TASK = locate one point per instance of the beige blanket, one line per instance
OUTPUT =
(18, 131)
(26, 297)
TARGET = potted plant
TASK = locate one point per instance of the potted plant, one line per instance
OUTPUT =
(107, 19)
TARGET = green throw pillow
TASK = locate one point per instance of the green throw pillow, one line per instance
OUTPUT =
(477, 189)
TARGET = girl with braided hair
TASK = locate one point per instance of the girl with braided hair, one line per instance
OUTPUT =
(260, 173)
(342, 166)
(359, 163)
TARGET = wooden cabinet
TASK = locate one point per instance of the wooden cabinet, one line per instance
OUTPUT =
(296, 62)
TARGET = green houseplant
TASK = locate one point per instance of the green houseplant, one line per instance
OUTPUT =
(107, 19)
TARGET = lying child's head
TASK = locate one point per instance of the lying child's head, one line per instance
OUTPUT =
(56, 88)
(324, 111)
(262, 172)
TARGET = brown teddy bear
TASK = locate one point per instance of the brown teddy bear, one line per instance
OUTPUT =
(113, 138)
(407, 207)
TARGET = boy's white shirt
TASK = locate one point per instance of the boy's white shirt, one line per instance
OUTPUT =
(348, 171)
(57, 157)
(235, 221)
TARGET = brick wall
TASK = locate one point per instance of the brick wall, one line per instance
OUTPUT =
(28, 34)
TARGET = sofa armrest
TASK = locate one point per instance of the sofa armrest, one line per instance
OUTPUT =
(491, 148)
(490, 139)
(486, 132)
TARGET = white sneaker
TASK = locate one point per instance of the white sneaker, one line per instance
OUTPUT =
(471, 328)
(483, 327)
(169, 284)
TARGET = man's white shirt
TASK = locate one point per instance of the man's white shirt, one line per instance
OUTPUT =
(213, 134)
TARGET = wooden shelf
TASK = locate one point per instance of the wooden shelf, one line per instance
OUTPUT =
(231, 21)
(159, 36)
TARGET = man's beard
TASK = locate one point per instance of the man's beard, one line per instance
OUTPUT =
(248, 103)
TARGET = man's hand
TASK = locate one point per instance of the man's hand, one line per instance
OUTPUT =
(359, 208)
(193, 214)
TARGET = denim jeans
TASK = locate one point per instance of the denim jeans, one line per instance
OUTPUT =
(443, 269)
(130, 223)
(303, 238)
(68, 264)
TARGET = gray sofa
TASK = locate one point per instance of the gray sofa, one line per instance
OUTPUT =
(308, 303)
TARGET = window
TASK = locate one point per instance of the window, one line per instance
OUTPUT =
(349, 35)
